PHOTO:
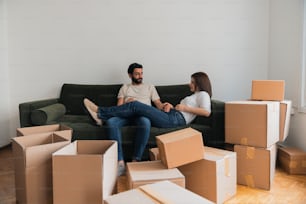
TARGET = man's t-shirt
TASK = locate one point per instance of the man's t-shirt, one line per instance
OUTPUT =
(144, 93)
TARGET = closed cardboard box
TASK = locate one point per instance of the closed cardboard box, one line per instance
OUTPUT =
(33, 166)
(180, 147)
(141, 173)
(268, 90)
(292, 159)
(252, 123)
(214, 177)
(284, 119)
(84, 171)
(163, 192)
(44, 129)
(255, 166)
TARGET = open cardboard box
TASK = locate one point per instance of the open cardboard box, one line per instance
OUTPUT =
(85, 171)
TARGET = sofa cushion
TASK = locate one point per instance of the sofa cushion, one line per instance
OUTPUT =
(47, 114)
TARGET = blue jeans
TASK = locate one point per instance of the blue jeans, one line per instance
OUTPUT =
(143, 126)
(157, 117)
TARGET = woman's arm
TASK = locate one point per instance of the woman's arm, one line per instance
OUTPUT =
(194, 110)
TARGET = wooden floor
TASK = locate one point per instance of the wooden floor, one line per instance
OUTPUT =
(286, 189)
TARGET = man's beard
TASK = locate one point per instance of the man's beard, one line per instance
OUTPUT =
(137, 81)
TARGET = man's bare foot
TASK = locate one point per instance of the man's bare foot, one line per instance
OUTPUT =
(92, 110)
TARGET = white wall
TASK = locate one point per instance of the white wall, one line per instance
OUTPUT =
(52, 42)
(286, 59)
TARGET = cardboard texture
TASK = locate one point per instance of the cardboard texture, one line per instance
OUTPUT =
(84, 171)
(268, 90)
(141, 173)
(284, 119)
(252, 123)
(255, 166)
(163, 192)
(154, 154)
(180, 147)
(214, 177)
(33, 166)
(292, 160)
(44, 129)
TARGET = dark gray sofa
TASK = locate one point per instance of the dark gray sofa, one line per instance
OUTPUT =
(68, 110)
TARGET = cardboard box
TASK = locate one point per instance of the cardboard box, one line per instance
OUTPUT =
(154, 154)
(163, 192)
(85, 171)
(268, 90)
(255, 166)
(214, 177)
(284, 119)
(292, 160)
(33, 170)
(44, 129)
(180, 147)
(141, 173)
(252, 123)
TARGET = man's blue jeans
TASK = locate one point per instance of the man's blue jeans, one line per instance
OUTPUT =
(143, 126)
(133, 109)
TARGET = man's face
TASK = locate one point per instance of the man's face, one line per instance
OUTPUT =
(136, 77)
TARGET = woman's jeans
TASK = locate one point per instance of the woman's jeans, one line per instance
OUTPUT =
(143, 126)
(157, 117)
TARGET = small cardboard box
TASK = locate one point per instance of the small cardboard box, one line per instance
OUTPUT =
(141, 173)
(154, 154)
(44, 129)
(255, 166)
(84, 171)
(292, 160)
(33, 166)
(268, 90)
(180, 147)
(284, 119)
(163, 192)
(252, 123)
(214, 177)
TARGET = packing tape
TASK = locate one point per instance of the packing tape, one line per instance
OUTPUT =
(293, 164)
(249, 181)
(244, 141)
(304, 163)
(154, 195)
(227, 167)
(250, 152)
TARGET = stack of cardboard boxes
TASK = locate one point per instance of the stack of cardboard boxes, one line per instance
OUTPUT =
(254, 127)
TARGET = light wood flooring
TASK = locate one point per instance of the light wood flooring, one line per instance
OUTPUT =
(286, 189)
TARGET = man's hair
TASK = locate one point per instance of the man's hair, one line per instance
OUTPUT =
(202, 82)
(134, 66)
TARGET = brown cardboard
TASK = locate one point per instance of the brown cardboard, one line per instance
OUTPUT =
(292, 160)
(141, 173)
(163, 192)
(44, 129)
(84, 171)
(284, 119)
(154, 154)
(214, 177)
(33, 170)
(180, 147)
(268, 90)
(255, 166)
(252, 123)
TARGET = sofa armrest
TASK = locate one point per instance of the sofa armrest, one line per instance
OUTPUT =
(218, 117)
(26, 108)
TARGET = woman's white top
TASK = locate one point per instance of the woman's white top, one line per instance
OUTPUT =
(199, 99)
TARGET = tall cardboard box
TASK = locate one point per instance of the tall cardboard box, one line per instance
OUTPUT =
(284, 119)
(180, 147)
(33, 166)
(141, 173)
(44, 129)
(292, 160)
(162, 192)
(252, 123)
(84, 171)
(255, 166)
(214, 177)
(268, 90)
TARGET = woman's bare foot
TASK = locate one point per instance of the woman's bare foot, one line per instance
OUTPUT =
(92, 110)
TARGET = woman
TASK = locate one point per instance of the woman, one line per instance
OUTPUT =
(184, 113)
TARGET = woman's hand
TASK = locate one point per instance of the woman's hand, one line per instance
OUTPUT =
(167, 106)
(181, 107)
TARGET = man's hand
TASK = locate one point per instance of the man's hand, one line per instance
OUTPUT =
(167, 106)
(130, 100)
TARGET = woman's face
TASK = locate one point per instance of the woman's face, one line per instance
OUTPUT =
(192, 85)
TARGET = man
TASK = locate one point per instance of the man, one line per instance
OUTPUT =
(141, 92)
